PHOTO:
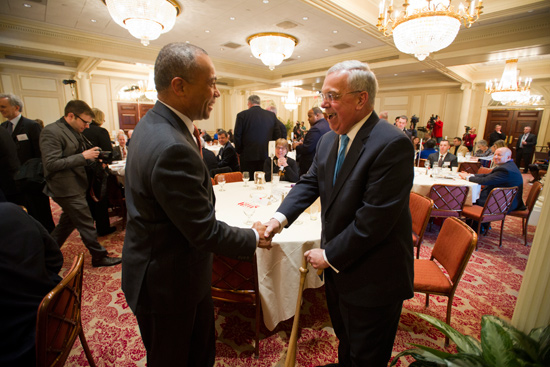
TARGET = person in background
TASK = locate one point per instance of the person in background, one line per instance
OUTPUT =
(227, 156)
(539, 165)
(40, 122)
(496, 135)
(282, 127)
(429, 148)
(438, 129)
(483, 149)
(286, 168)
(230, 134)
(416, 142)
(443, 156)
(297, 132)
(525, 148)
(383, 115)
(305, 151)
(457, 148)
(130, 132)
(120, 151)
(497, 144)
(469, 137)
(9, 165)
(401, 123)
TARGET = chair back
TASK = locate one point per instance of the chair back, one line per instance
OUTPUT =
(448, 199)
(469, 167)
(58, 322)
(484, 170)
(421, 208)
(421, 162)
(533, 195)
(498, 203)
(234, 280)
(230, 177)
(454, 246)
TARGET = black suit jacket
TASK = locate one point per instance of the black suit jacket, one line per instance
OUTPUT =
(99, 137)
(529, 146)
(254, 128)
(282, 129)
(172, 228)
(496, 136)
(290, 173)
(449, 157)
(26, 136)
(503, 175)
(366, 223)
(306, 151)
(227, 157)
(9, 165)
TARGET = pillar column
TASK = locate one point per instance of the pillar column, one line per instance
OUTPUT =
(84, 87)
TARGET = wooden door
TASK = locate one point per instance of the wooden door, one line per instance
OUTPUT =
(513, 122)
(129, 114)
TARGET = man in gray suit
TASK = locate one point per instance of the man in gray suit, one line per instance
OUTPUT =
(65, 156)
(172, 229)
(363, 174)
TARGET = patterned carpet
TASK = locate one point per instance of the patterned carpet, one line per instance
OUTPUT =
(490, 285)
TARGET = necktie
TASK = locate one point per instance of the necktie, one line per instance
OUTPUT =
(344, 139)
(10, 127)
(197, 137)
(440, 163)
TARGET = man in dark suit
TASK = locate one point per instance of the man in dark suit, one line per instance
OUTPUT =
(227, 156)
(282, 127)
(363, 173)
(9, 165)
(496, 135)
(305, 151)
(172, 228)
(26, 134)
(401, 123)
(254, 128)
(525, 148)
(443, 156)
(65, 156)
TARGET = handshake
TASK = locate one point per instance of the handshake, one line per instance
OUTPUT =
(266, 231)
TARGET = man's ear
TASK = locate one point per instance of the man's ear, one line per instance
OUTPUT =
(178, 85)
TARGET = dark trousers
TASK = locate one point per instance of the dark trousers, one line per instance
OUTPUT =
(76, 214)
(365, 334)
(526, 157)
(187, 338)
(251, 167)
(100, 213)
(38, 206)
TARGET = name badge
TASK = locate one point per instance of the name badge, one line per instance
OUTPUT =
(22, 137)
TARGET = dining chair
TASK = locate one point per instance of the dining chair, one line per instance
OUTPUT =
(469, 167)
(237, 281)
(420, 207)
(214, 182)
(452, 250)
(421, 162)
(58, 323)
(448, 200)
(496, 207)
(530, 204)
(484, 170)
(230, 177)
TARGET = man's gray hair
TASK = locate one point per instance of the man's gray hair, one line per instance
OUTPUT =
(13, 99)
(254, 99)
(176, 60)
(316, 110)
(482, 142)
(272, 109)
(360, 77)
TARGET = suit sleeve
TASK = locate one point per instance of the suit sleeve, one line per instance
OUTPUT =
(276, 130)
(227, 157)
(34, 135)
(309, 142)
(52, 153)
(292, 173)
(495, 178)
(238, 134)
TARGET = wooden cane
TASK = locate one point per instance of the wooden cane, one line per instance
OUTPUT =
(291, 353)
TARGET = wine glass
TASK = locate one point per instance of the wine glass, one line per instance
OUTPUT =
(249, 209)
(221, 182)
(427, 163)
(246, 178)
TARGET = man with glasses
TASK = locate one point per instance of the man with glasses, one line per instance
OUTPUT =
(363, 174)
(65, 154)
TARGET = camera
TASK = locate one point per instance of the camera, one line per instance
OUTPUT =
(106, 156)
(431, 122)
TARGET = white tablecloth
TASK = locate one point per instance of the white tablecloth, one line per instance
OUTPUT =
(422, 184)
(213, 148)
(278, 268)
(118, 168)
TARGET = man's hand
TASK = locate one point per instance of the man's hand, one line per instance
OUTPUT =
(273, 227)
(282, 162)
(92, 153)
(463, 175)
(316, 259)
(264, 242)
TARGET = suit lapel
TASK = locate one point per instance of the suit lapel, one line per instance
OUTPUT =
(65, 129)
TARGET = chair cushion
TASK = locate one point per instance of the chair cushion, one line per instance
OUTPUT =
(473, 211)
(520, 213)
(429, 278)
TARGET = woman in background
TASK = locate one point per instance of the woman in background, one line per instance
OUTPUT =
(469, 138)
(285, 167)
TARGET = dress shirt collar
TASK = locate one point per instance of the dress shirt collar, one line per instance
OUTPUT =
(15, 121)
(186, 120)
(354, 130)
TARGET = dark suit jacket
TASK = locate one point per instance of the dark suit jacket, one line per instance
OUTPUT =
(27, 146)
(496, 136)
(306, 151)
(366, 223)
(209, 159)
(9, 165)
(29, 269)
(172, 228)
(529, 146)
(503, 175)
(449, 157)
(99, 137)
(291, 173)
(227, 157)
(282, 129)
(64, 165)
(254, 128)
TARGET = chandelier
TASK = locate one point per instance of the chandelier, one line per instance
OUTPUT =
(144, 19)
(291, 102)
(509, 89)
(272, 47)
(139, 92)
(425, 26)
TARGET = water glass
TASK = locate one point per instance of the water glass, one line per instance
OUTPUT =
(249, 210)
(246, 178)
(221, 182)
(313, 212)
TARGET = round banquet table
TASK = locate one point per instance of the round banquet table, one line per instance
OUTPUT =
(278, 268)
(422, 184)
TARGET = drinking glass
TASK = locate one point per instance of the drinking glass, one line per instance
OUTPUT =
(249, 209)
(221, 182)
(246, 178)
(313, 211)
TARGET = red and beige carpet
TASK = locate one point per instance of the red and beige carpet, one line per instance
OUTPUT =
(490, 285)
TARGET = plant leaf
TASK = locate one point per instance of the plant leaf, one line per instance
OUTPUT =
(423, 354)
(465, 360)
(497, 344)
(525, 346)
(464, 343)
(542, 337)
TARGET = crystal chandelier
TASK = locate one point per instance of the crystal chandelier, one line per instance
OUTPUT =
(271, 47)
(291, 102)
(144, 19)
(425, 26)
(510, 88)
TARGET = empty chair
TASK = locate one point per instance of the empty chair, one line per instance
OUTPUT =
(470, 167)
(420, 207)
(448, 200)
(496, 207)
(58, 322)
(452, 250)
(530, 204)
(230, 177)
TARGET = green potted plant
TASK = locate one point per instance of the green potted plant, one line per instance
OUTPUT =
(502, 345)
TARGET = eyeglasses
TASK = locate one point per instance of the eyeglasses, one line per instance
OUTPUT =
(84, 121)
(332, 96)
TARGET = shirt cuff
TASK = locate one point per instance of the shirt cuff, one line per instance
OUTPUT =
(325, 257)
(257, 236)
(281, 218)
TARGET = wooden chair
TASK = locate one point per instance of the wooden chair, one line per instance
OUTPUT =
(448, 200)
(214, 182)
(530, 204)
(496, 207)
(237, 281)
(421, 162)
(230, 177)
(58, 323)
(452, 250)
(469, 167)
(484, 170)
(420, 207)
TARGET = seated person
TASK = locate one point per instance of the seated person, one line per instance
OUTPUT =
(285, 167)
(209, 159)
(429, 148)
(31, 261)
(539, 165)
(443, 155)
(483, 149)
(458, 148)
(120, 151)
(227, 156)
(496, 145)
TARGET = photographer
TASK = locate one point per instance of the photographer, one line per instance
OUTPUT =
(412, 129)
(437, 126)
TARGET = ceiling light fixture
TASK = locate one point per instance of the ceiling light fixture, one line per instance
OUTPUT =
(272, 47)
(291, 102)
(425, 26)
(509, 89)
(144, 19)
